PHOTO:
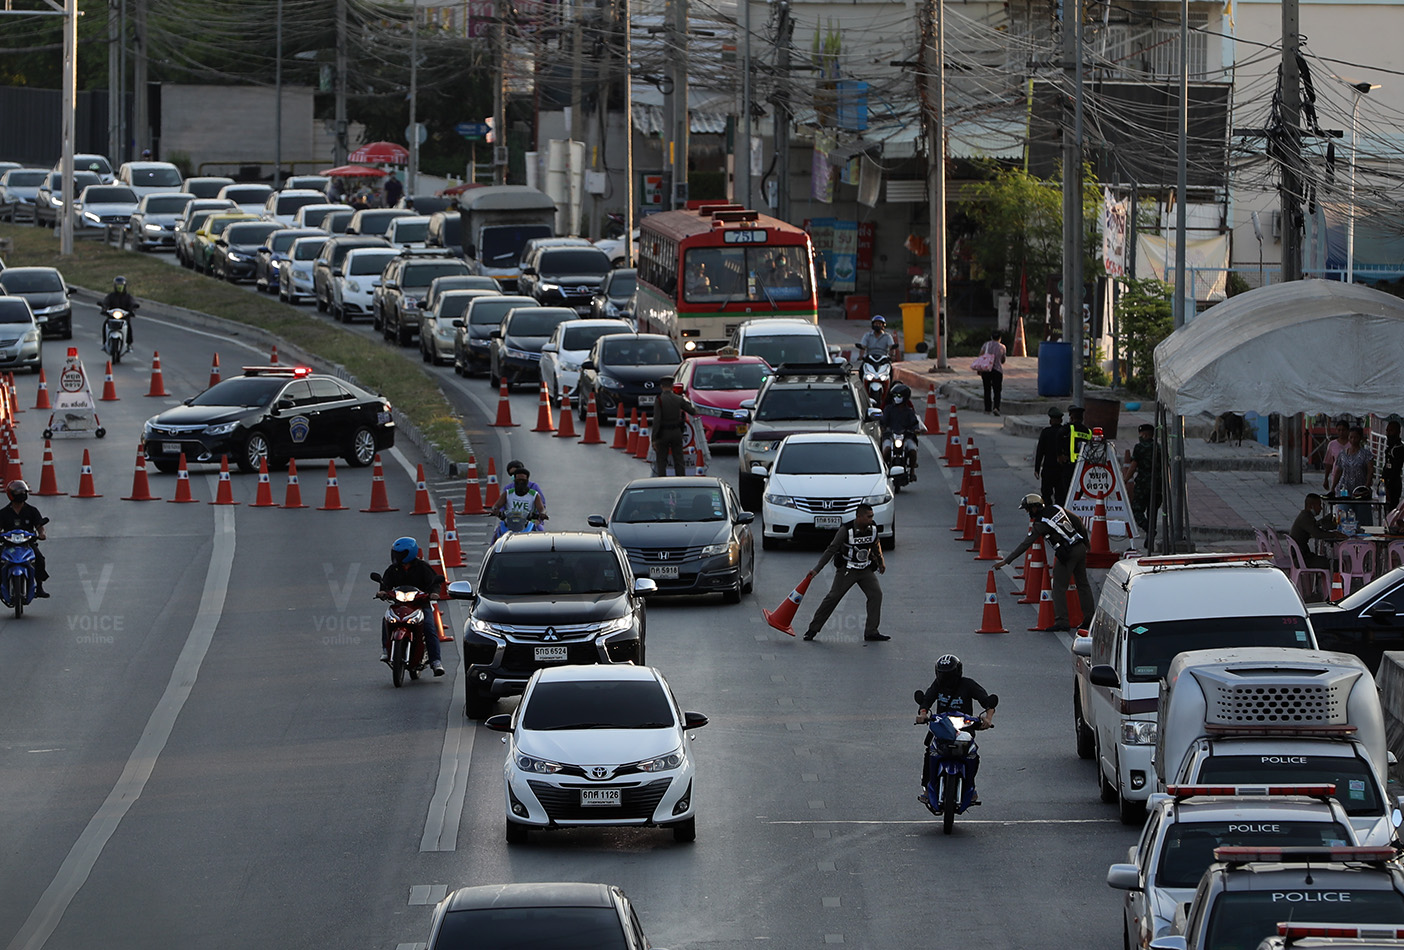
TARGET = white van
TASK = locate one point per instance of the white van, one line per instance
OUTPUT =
(1150, 609)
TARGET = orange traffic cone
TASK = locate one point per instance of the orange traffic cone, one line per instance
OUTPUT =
(991, 622)
(977, 483)
(14, 396)
(158, 382)
(273, 357)
(933, 415)
(1337, 587)
(566, 430)
(1075, 617)
(645, 440)
(621, 431)
(141, 485)
(48, 480)
(436, 562)
(264, 496)
(1046, 616)
(631, 443)
(453, 551)
(15, 469)
(980, 521)
(41, 401)
(592, 424)
(380, 501)
(292, 498)
(1021, 347)
(5, 435)
(493, 492)
(444, 636)
(472, 493)
(332, 502)
(224, 492)
(954, 457)
(109, 388)
(1034, 574)
(214, 370)
(504, 409)
(967, 468)
(989, 551)
(781, 617)
(974, 522)
(86, 489)
(1099, 552)
(544, 421)
(422, 504)
(182, 495)
(960, 515)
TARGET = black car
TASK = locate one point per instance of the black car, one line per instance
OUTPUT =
(1366, 623)
(515, 354)
(615, 297)
(544, 598)
(47, 294)
(542, 916)
(689, 535)
(276, 413)
(624, 369)
(472, 338)
(235, 254)
(48, 200)
(565, 276)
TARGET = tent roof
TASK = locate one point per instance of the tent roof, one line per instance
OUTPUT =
(1303, 346)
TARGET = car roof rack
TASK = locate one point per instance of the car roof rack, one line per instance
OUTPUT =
(812, 369)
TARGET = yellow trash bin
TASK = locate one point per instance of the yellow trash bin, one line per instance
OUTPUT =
(913, 325)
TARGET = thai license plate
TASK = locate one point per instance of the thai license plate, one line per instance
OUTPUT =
(600, 797)
(828, 521)
(667, 572)
(551, 654)
(741, 428)
(646, 400)
(170, 448)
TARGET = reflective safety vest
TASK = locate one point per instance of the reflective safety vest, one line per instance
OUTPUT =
(857, 550)
(1077, 436)
(1064, 531)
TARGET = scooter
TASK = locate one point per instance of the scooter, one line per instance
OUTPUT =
(407, 617)
(17, 584)
(875, 370)
(114, 333)
(516, 521)
(952, 747)
(900, 449)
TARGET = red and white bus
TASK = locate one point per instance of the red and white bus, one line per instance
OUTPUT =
(705, 270)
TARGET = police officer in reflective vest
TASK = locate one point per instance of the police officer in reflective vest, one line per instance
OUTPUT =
(1066, 535)
(857, 556)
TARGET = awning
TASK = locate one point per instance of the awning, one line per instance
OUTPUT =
(648, 120)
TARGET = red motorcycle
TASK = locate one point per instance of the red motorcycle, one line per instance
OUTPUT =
(408, 617)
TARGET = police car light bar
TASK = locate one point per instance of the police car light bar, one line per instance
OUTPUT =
(1203, 559)
(1243, 854)
(292, 372)
(1181, 792)
(1269, 729)
(1367, 931)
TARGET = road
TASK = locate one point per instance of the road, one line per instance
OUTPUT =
(199, 749)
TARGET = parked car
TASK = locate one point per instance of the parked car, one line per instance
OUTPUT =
(48, 200)
(624, 369)
(353, 284)
(235, 251)
(21, 341)
(150, 178)
(472, 339)
(615, 297)
(295, 271)
(153, 224)
(47, 294)
(19, 191)
(205, 186)
(103, 206)
(275, 250)
(439, 324)
(539, 916)
(249, 197)
(567, 348)
(282, 206)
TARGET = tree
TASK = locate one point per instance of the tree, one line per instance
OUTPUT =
(1144, 316)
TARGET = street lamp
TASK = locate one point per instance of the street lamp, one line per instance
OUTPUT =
(1360, 90)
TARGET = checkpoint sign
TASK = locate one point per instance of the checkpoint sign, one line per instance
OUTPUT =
(72, 380)
(1097, 481)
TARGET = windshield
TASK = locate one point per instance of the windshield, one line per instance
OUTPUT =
(537, 322)
(411, 231)
(1151, 646)
(81, 180)
(574, 262)
(373, 263)
(492, 310)
(306, 249)
(523, 573)
(205, 187)
(167, 204)
(93, 163)
(22, 179)
(114, 194)
(288, 204)
(517, 928)
(729, 376)
(827, 458)
(240, 391)
(336, 221)
(422, 275)
(640, 352)
(747, 273)
(15, 311)
(502, 245)
(1244, 918)
(647, 505)
(249, 195)
(1372, 591)
(830, 404)
(790, 348)
(283, 239)
(598, 704)
(622, 284)
(155, 177)
(1356, 788)
(1188, 848)
(32, 282)
(252, 233)
(218, 225)
(375, 222)
(582, 338)
(451, 306)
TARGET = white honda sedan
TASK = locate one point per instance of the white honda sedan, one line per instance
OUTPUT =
(599, 745)
(818, 481)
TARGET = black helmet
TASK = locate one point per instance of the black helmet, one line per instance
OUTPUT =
(901, 391)
(949, 670)
(17, 490)
(119, 283)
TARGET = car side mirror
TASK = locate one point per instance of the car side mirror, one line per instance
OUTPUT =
(375, 576)
(461, 590)
(758, 469)
(1082, 646)
(350, 230)
(588, 364)
(496, 334)
(1383, 613)
(470, 250)
(459, 323)
(694, 720)
(1168, 942)
(1103, 675)
(502, 722)
(896, 470)
(748, 404)
(746, 517)
(265, 250)
(391, 285)
(286, 403)
(874, 415)
(741, 415)
(71, 291)
(338, 273)
(528, 271)
(550, 348)
(645, 586)
(422, 305)
(1124, 877)
(596, 521)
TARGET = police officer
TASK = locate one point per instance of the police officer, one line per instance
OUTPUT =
(669, 418)
(1065, 533)
(1075, 433)
(857, 556)
(1047, 468)
(1140, 473)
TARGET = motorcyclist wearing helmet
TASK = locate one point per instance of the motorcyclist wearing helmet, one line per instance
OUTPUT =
(521, 498)
(120, 299)
(408, 569)
(953, 691)
(512, 467)
(20, 514)
(877, 341)
(1065, 533)
(900, 416)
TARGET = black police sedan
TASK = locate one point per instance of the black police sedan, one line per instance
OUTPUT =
(272, 412)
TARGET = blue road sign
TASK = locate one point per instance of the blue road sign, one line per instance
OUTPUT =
(472, 130)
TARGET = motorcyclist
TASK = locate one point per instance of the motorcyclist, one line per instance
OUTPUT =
(877, 341)
(512, 467)
(953, 691)
(521, 498)
(120, 299)
(408, 569)
(900, 416)
(20, 514)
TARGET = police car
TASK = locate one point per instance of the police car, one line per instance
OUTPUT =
(272, 412)
(1186, 824)
(1318, 936)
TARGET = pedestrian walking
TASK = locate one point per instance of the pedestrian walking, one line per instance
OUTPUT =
(669, 413)
(857, 556)
(393, 190)
(1047, 467)
(1140, 474)
(992, 356)
(1067, 536)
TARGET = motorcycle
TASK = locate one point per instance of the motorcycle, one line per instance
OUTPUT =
(900, 449)
(875, 370)
(114, 333)
(17, 582)
(952, 747)
(408, 616)
(516, 521)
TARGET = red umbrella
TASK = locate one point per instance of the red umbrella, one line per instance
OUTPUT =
(353, 171)
(459, 189)
(385, 153)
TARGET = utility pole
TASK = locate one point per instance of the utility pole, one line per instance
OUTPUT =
(1290, 144)
(784, 30)
(114, 81)
(933, 77)
(743, 165)
(141, 121)
(1179, 539)
(675, 102)
(278, 99)
(340, 149)
(629, 185)
(499, 96)
(412, 172)
(123, 130)
(70, 118)
(1072, 191)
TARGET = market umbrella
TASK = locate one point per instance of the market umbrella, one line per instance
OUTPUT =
(459, 189)
(385, 153)
(353, 171)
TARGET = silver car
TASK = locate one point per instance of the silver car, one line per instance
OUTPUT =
(154, 222)
(21, 341)
(295, 271)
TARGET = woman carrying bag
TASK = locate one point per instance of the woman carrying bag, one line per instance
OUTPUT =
(990, 365)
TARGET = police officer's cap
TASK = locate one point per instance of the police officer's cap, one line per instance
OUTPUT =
(667, 381)
(1075, 408)
(1054, 412)
(1145, 427)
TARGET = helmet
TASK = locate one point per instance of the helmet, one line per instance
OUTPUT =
(879, 318)
(513, 465)
(17, 490)
(404, 549)
(900, 391)
(119, 283)
(949, 669)
(1031, 500)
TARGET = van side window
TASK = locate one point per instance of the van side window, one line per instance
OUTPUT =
(1103, 633)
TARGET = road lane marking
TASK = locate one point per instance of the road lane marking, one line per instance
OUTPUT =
(927, 821)
(446, 805)
(427, 893)
(76, 867)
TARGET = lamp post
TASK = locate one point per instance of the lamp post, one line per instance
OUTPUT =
(1360, 89)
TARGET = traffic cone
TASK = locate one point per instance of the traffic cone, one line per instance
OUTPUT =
(1075, 617)
(592, 424)
(14, 396)
(960, 515)
(544, 421)
(954, 457)
(1021, 347)
(504, 410)
(86, 489)
(977, 484)
(1046, 616)
(1337, 587)
(5, 435)
(224, 492)
(967, 467)
(333, 500)
(1034, 574)
(436, 562)
(380, 501)
(214, 370)
(566, 430)
(989, 551)
(141, 485)
(621, 431)
(453, 551)
(7, 412)
(48, 480)
(642, 445)
(493, 492)
(158, 382)
(991, 622)
(292, 498)
(974, 521)
(273, 357)
(182, 494)
(15, 469)
(41, 401)
(422, 503)
(631, 443)
(264, 497)
(109, 388)
(781, 617)
(472, 492)
(444, 636)
(933, 415)
(980, 521)
(1099, 553)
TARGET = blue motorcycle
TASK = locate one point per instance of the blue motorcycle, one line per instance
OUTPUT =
(951, 750)
(17, 584)
(516, 521)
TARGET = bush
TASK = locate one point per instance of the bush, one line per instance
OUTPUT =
(1144, 316)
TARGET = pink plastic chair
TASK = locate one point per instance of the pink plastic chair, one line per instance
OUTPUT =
(1394, 555)
(1279, 554)
(1299, 574)
(1356, 560)
(1262, 540)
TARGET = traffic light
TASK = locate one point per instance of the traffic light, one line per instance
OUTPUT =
(491, 132)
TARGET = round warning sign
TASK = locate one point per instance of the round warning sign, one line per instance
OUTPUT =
(1097, 481)
(71, 381)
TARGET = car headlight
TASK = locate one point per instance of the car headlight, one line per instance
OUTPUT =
(546, 287)
(518, 354)
(152, 227)
(664, 763)
(483, 629)
(729, 547)
(764, 445)
(45, 311)
(882, 499)
(146, 427)
(617, 625)
(222, 429)
(1134, 732)
(570, 366)
(354, 286)
(529, 763)
(609, 382)
(411, 302)
(90, 216)
(237, 258)
(32, 336)
(784, 501)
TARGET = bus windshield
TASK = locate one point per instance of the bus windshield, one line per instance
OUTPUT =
(756, 274)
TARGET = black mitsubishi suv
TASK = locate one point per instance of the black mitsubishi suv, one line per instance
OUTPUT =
(544, 599)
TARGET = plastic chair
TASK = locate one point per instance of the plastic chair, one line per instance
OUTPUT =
(1274, 547)
(1298, 573)
(1262, 541)
(1356, 563)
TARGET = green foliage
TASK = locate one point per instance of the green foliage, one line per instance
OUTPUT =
(1094, 373)
(1144, 318)
(1235, 284)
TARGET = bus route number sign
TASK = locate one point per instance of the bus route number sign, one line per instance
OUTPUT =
(749, 236)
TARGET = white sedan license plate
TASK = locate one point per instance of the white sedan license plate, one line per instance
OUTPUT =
(667, 572)
(551, 654)
(646, 400)
(828, 521)
(171, 448)
(600, 797)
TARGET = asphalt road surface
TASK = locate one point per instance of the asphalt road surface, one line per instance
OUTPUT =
(199, 749)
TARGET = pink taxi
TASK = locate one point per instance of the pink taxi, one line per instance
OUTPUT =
(716, 385)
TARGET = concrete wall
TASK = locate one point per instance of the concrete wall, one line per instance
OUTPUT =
(236, 125)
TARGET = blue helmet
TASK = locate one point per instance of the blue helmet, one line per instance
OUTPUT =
(404, 549)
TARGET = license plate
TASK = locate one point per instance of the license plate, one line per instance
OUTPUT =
(600, 797)
(667, 572)
(741, 428)
(170, 448)
(551, 654)
(646, 400)
(828, 521)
